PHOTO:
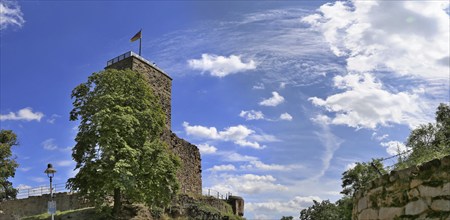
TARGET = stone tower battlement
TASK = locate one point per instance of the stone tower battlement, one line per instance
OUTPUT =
(190, 173)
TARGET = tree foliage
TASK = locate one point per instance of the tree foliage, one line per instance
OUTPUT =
(8, 164)
(428, 141)
(324, 210)
(360, 175)
(118, 147)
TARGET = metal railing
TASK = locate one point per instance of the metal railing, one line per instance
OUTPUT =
(41, 190)
(217, 194)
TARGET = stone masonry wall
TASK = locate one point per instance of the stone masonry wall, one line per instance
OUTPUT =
(190, 173)
(34, 205)
(418, 192)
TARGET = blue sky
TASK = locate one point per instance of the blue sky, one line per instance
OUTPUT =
(281, 97)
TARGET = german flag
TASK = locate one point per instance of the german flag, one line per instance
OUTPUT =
(137, 36)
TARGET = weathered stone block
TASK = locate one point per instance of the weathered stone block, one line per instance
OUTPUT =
(441, 205)
(362, 203)
(415, 182)
(390, 212)
(393, 177)
(415, 207)
(428, 191)
(413, 193)
(446, 189)
(368, 214)
(376, 191)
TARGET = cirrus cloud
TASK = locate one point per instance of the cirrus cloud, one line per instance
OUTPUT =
(10, 15)
(49, 144)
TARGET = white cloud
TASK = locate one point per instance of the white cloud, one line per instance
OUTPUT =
(207, 149)
(247, 184)
(350, 166)
(329, 141)
(275, 100)
(201, 131)
(24, 169)
(228, 167)
(237, 134)
(283, 85)
(292, 206)
(407, 32)
(286, 116)
(410, 42)
(23, 187)
(245, 143)
(321, 120)
(53, 118)
(65, 163)
(395, 147)
(365, 104)
(252, 115)
(221, 66)
(264, 138)
(379, 137)
(49, 144)
(10, 14)
(25, 114)
(236, 157)
(259, 86)
(258, 165)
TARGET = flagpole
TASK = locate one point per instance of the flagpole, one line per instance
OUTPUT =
(140, 44)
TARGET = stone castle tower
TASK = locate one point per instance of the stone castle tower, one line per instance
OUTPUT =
(189, 175)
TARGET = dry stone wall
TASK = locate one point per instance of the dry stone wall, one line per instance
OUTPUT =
(418, 192)
(34, 205)
(190, 173)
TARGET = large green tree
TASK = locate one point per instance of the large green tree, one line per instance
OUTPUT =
(118, 147)
(8, 164)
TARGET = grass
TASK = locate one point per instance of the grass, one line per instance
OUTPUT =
(45, 216)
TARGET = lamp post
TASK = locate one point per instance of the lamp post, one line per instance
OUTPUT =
(50, 171)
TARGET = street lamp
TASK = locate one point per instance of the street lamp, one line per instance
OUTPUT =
(50, 171)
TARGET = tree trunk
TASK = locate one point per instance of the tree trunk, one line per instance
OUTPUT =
(117, 202)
